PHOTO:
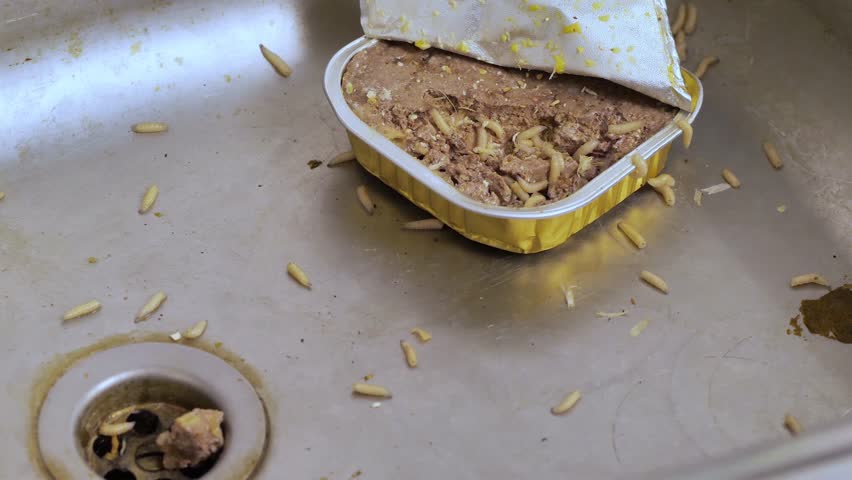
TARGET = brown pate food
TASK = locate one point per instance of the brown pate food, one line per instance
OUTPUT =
(397, 89)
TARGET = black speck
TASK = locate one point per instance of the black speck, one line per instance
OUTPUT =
(543, 439)
(166, 155)
(259, 185)
(118, 474)
(146, 422)
(302, 340)
(102, 445)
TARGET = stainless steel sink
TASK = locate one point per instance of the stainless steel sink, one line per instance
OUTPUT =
(714, 372)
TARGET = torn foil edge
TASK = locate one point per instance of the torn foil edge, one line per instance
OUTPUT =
(437, 22)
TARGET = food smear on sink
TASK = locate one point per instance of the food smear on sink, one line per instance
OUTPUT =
(192, 438)
(830, 315)
(485, 132)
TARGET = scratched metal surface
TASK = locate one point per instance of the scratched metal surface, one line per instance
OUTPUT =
(713, 372)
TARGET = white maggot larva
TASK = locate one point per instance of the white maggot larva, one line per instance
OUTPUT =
(342, 157)
(421, 334)
(640, 167)
(623, 128)
(427, 224)
(196, 330)
(365, 200)
(567, 403)
(115, 429)
(277, 62)
(655, 281)
(299, 275)
(535, 199)
(585, 149)
(772, 155)
(149, 127)
(81, 310)
(371, 390)
(440, 122)
(519, 191)
(633, 235)
(686, 128)
(691, 18)
(529, 133)
(409, 353)
(705, 63)
(149, 198)
(732, 179)
(151, 306)
(680, 19)
(815, 278)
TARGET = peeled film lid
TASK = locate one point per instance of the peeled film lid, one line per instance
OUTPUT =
(628, 42)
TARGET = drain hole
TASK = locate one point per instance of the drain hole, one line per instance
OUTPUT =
(197, 471)
(145, 421)
(118, 474)
(108, 448)
(149, 457)
(176, 408)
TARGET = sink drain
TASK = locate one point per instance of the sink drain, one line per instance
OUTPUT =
(150, 384)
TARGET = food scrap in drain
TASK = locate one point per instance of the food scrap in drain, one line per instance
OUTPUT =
(192, 438)
(830, 315)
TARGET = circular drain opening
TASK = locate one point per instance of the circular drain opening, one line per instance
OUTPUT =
(150, 384)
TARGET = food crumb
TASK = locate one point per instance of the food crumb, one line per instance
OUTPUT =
(781, 208)
(92, 260)
(314, 163)
(792, 424)
(158, 214)
(795, 326)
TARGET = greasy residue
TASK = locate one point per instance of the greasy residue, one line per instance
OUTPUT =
(75, 45)
(134, 49)
(830, 315)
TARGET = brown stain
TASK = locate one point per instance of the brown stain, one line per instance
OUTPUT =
(795, 326)
(830, 315)
(54, 368)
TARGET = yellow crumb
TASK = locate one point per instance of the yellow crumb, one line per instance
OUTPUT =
(590, 63)
(572, 28)
(422, 44)
(558, 63)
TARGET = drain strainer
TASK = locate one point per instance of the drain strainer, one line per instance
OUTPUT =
(149, 384)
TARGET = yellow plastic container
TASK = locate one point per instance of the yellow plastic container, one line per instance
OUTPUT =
(521, 230)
